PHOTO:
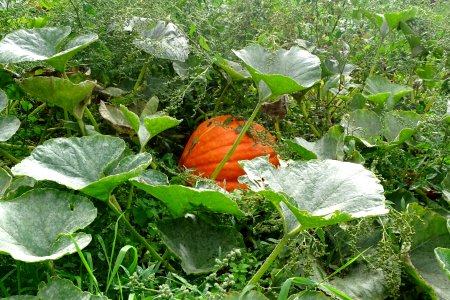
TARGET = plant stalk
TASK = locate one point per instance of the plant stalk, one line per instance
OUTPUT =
(139, 237)
(137, 85)
(238, 140)
(9, 156)
(91, 119)
(269, 260)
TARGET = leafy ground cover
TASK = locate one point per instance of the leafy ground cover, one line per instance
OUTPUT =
(98, 99)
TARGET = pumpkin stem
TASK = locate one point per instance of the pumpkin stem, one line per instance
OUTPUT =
(237, 141)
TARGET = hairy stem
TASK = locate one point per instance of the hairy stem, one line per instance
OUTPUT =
(91, 119)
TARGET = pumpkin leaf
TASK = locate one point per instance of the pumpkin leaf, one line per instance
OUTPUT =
(284, 71)
(390, 21)
(316, 193)
(42, 44)
(75, 163)
(5, 181)
(61, 92)
(164, 41)
(424, 269)
(198, 243)
(8, 124)
(181, 199)
(8, 127)
(3, 100)
(443, 257)
(363, 124)
(446, 190)
(384, 93)
(362, 282)
(148, 126)
(397, 123)
(250, 295)
(58, 288)
(236, 71)
(447, 114)
(59, 213)
(330, 146)
(155, 124)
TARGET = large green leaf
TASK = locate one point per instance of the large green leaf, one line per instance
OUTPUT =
(3, 100)
(182, 199)
(8, 124)
(316, 193)
(8, 127)
(384, 93)
(61, 92)
(330, 146)
(284, 71)
(76, 163)
(5, 181)
(362, 282)
(58, 288)
(430, 233)
(399, 125)
(34, 226)
(390, 21)
(164, 41)
(447, 114)
(446, 189)
(443, 257)
(42, 44)
(363, 124)
(236, 71)
(198, 243)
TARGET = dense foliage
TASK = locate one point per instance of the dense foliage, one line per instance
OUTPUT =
(99, 98)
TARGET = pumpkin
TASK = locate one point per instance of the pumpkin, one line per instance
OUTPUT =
(212, 140)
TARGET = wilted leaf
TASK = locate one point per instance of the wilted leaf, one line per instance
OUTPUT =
(45, 216)
(115, 117)
(76, 163)
(181, 199)
(199, 243)
(284, 71)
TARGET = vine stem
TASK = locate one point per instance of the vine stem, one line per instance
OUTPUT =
(113, 205)
(9, 156)
(238, 140)
(91, 119)
(269, 260)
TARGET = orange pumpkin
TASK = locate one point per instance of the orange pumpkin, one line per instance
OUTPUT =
(212, 140)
